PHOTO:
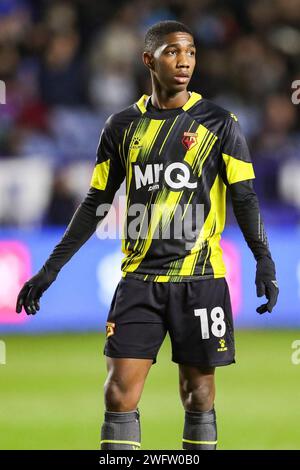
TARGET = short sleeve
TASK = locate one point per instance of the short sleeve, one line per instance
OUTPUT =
(109, 171)
(236, 160)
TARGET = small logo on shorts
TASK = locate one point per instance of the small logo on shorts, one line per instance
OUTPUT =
(223, 346)
(110, 329)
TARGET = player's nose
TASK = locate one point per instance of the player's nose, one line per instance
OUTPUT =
(183, 61)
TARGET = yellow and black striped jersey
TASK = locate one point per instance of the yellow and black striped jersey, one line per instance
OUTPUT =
(177, 164)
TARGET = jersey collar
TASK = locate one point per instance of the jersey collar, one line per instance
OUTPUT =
(142, 104)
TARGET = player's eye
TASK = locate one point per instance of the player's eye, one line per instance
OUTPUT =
(192, 53)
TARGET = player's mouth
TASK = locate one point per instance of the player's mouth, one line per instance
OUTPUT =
(182, 78)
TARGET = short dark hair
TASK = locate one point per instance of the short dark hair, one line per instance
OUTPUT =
(155, 35)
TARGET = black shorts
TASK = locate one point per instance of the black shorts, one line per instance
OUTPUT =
(197, 314)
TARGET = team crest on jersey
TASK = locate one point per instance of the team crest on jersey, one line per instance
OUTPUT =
(223, 346)
(189, 140)
(110, 329)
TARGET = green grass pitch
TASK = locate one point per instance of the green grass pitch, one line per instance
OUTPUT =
(51, 394)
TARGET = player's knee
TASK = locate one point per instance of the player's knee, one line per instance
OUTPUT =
(118, 397)
(198, 398)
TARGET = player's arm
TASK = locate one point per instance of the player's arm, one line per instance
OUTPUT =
(237, 172)
(107, 176)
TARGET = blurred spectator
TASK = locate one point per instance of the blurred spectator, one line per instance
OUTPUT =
(112, 88)
(61, 17)
(68, 64)
(277, 143)
(15, 20)
(112, 61)
(62, 203)
(62, 74)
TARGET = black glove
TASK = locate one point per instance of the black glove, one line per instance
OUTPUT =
(32, 291)
(266, 283)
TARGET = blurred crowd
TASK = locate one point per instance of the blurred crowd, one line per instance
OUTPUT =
(68, 65)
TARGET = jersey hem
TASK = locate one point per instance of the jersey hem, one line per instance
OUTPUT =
(170, 278)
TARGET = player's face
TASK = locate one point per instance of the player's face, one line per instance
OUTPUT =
(174, 61)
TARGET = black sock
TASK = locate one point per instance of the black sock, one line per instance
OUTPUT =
(200, 430)
(121, 430)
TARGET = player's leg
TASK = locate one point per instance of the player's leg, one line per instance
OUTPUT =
(122, 391)
(201, 330)
(135, 332)
(124, 383)
(197, 392)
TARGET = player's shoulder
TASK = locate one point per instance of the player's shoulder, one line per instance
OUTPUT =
(208, 107)
(121, 119)
(212, 115)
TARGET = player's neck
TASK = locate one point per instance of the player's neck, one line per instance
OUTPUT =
(160, 99)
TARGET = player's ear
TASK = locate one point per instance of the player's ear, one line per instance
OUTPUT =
(148, 60)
